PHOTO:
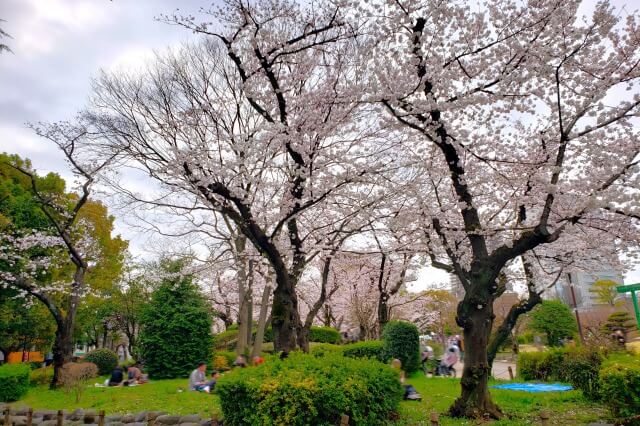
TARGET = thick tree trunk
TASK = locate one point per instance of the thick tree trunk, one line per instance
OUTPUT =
(475, 316)
(63, 344)
(285, 319)
(62, 348)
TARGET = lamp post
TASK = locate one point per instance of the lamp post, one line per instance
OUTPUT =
(575, 307)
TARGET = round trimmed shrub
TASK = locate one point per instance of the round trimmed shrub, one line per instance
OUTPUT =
(14, 381)
(175, 327)
(373, 349)
(305, 390)
(401, 340)
(620, 388)
(106, 360)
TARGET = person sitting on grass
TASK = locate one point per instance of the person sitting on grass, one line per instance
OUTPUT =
(116, 377)
(198, 379)
(133, 374)
(410, 392)
(240, 361)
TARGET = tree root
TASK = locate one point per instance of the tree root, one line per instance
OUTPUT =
(466, 409)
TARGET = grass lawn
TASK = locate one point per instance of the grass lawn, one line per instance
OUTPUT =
(157, 395)
(522, 408)
(567, 408)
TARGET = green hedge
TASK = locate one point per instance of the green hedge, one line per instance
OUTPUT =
(401, 340)
(320, 350)
(620, 388)
(304, 390)
(373, 349)
(578, 366)
(106, 360)
(14, 381)
(324, 335)
(227, 340)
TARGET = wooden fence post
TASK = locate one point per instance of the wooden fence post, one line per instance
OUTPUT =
(344, 420)
(544, 417)
(60, 418)
(151, 419)
(435, 421)
(510, 372)
(101, 418)
(7, 416)
(30, 417)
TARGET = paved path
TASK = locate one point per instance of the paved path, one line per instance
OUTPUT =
(500, 369)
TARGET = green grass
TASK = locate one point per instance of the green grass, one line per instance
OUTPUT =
(157, 395)
(437, 395)
(521, 408)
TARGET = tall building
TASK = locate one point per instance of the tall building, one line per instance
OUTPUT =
(582, 282)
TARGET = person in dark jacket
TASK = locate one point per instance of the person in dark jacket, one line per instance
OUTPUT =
(117, 376)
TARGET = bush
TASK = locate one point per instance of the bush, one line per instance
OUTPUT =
(401, 340)
(577, 366)
(373, 349)
(620, 388)
(74, 375)
(106, 360)
(223, 360)
(175, 327)
(14, 381)
(303, 390)
(320, 350)
(324, 335)
(555, 320)
(525, 338)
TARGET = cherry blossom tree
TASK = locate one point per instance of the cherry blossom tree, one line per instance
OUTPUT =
(525, 116)
(37, 253)
(255, 124)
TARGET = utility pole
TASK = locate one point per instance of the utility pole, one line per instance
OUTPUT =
(575, 307)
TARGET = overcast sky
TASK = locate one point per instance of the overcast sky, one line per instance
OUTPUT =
(59, 45)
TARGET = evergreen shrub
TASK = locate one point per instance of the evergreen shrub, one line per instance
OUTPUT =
(105, 359)
(620, 388)
(14, 381)
(323, 349)
(175, 327)
(401, 340)
(324, 335)
(578, 366)
(305, 390)
(373, 349)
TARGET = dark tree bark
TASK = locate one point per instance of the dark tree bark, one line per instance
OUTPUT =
(475, 316)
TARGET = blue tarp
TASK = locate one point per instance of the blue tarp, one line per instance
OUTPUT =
(535, 387)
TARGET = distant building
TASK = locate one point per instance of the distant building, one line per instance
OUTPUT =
(456, 286)
(582, 282)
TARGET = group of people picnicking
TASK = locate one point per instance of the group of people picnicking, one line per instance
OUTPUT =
(134, 376)
(199, 382)
(198, 378)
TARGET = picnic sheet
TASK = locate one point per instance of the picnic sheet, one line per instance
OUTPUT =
(535, 387)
